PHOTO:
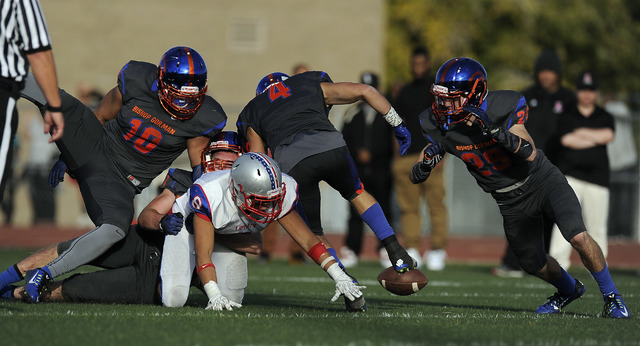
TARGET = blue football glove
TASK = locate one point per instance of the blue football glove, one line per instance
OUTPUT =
(57, 173)
(403, 137)
(481, 115)
(171, 224)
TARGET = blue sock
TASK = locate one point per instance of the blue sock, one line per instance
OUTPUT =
(9, 276)
(603, 278)
(334, 253)
(566, 285)
(7, 292)
(374, 217)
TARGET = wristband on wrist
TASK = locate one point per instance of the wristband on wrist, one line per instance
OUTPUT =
(326, 260)
(316, 251)
(49, 108)
(392, 117)
(206, 265)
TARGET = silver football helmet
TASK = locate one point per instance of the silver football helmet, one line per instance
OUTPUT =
(257, 187)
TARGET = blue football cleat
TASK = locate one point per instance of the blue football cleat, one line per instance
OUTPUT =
(557, 302)
(614, 307)
(36, 284)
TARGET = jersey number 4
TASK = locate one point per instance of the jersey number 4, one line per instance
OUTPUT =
(145, 139)
(279, 90)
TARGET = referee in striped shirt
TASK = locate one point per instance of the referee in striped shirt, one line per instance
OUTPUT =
(23, 34)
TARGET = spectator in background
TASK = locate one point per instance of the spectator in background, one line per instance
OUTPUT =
(370, 141)
(25, 43)
(414, 98)
(547, 100)
(585, 131)
(41, 157)
(623, 161)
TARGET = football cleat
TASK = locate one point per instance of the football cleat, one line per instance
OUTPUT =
(36, 284)
(557, 302)
(614, 307)
(358, 305)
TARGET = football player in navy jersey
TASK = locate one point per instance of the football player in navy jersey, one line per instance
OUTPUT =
(486, 130)
(139, 128)
(289, 117)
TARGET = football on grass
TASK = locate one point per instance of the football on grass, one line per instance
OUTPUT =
(403, 284)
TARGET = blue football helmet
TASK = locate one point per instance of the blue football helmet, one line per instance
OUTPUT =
(182, 82)
(224, 141)
(460, 82)
(270, 80)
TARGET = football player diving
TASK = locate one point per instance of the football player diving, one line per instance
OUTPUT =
(486, 130)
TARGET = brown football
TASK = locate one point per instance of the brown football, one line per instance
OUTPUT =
(402, 284)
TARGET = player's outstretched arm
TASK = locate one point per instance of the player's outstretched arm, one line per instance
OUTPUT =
(300, 232)
(204, 236)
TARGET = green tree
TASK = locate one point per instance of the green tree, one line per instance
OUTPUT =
(507, 35)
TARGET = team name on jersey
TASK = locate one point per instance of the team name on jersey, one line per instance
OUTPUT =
(154, 120)
(476, 145)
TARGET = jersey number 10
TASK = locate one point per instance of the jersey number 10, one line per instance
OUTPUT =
(145, 139)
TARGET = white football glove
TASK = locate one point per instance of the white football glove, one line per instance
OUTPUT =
(217, 301)
(344, 284)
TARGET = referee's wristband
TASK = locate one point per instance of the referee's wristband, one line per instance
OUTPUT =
(53, 109)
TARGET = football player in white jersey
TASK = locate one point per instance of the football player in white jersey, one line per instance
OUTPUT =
(243, 200)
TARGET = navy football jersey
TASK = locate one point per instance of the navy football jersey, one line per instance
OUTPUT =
(276, 121)
(143, 139)
(492, 165)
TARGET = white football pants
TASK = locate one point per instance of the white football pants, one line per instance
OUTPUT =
(178, 263)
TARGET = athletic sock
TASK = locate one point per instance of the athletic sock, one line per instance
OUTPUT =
(375, 219)
(7, 292)
(9, 276)
(566, 285)
(334, 253)
(605, 282)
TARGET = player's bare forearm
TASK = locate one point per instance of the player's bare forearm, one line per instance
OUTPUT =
(346, 93)
(204, 236)
(295, 226)
(151, 215)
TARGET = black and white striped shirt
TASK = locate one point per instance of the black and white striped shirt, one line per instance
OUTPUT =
(23, 30)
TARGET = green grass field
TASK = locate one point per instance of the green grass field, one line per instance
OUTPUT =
(289, 305)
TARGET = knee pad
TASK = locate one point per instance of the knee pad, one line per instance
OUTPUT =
(176, 297)
(231, 271)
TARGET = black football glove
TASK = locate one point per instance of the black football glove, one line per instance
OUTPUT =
(481, 118)
(400, 259)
